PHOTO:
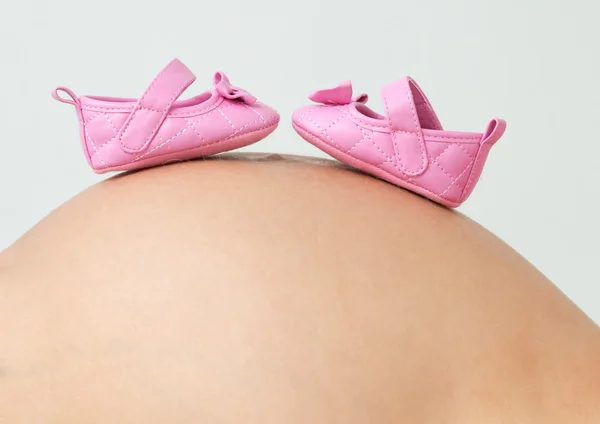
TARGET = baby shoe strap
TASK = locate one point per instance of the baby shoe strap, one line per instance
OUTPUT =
(152, 108)
(405, 123)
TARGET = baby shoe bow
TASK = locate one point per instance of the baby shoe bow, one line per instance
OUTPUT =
(225, 89)
(340, 95)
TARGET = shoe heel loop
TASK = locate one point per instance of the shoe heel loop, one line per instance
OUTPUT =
(72, 100)
(494, 132)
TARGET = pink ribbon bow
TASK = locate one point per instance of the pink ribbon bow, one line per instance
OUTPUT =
(225, 89)
(340, 95)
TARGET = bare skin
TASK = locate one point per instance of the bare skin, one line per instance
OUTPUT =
(281, 290)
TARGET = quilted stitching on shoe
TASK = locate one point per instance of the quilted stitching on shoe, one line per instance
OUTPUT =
(176, 134)
(450, 161)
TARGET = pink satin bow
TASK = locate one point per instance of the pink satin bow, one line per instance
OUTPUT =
(225, 89)
(340, 95)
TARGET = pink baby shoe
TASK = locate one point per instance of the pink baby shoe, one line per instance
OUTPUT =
(407, 147)
(124, 134)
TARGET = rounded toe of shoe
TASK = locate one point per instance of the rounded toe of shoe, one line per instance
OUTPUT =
(248, 118)
(267, 116)
(304, 119)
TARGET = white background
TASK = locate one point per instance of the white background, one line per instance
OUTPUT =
(533, 62)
